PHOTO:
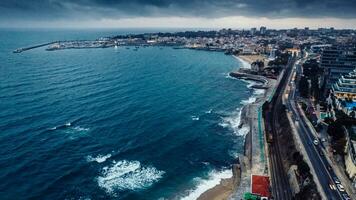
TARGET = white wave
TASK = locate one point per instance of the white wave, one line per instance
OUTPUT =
(259, 92)
(53, 128)
(99, 158)
(233, 122)
(250, 100)
(203, 185)
(127, 175)
(234, 153)
(209, 111)
(195, 118)
(244, 63)
(68, 124)
(249, 83)
(78, 128)
(243, 131)
(229, 77)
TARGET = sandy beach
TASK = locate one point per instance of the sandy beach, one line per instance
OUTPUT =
(226, 187)
(252, 58)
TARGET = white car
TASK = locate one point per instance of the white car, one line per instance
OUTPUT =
(332, 186)
(336, 180)
(340, 187)
(316, 142)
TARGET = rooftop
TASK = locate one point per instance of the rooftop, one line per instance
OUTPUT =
(260, 185)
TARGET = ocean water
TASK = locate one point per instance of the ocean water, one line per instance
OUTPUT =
(157, 123)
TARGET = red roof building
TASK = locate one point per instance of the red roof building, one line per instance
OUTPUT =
(260, 185)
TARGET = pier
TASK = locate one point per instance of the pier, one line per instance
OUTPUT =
(20, 50)
(252, 77)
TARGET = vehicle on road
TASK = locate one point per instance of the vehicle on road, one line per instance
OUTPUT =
(316, 142)
(332, 186)
(336, 180)
(346, 196)
(329, 167)
(321, 153)
(340, 188)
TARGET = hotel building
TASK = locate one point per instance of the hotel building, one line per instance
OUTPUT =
(337, 61)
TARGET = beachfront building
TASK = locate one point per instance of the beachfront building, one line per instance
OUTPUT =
(345, 87)
(343, 93)
(350, 157)
(257, 66)
(337, 61)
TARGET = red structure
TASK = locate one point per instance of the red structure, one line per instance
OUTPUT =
(260, 185)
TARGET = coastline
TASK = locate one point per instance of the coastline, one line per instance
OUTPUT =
(252, 58)
(245, 62)
(239, 183)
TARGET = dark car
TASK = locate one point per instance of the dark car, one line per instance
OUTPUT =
(346, 197)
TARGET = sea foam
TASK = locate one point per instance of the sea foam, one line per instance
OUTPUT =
(80, 129)
(233, 122)
(127, 175)
(258, 92)
(195, 118)
(250, 100)
(99, 158)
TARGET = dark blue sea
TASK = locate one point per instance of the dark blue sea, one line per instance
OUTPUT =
(157, 123)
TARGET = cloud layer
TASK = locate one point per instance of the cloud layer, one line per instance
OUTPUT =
(116, 9)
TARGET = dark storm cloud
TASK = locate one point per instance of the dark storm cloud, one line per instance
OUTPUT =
(68, 9)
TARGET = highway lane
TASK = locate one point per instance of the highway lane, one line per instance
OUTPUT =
(324, 174)
(319, 166)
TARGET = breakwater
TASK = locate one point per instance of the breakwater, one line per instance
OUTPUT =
(20, 50)
(252, 77)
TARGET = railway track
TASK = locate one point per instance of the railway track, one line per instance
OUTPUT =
(280, 184)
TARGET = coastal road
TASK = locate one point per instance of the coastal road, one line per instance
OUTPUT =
(324, 172)
(280, 184)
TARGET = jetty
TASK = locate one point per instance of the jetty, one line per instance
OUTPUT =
(20, 50)
(252, 77)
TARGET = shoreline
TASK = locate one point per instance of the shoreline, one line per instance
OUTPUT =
(245, 63)
(239, 183)
(252, 58)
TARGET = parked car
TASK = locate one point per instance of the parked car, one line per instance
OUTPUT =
(340, 188)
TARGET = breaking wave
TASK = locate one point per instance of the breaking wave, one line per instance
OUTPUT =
(259, 91)
(99, 158)
(195, 118)
(78, 128)
(250, 100)
(203, 185)
(209, 111)
(233, 122)
(127, 175)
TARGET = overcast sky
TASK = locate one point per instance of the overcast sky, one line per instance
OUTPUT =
(178, 13)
